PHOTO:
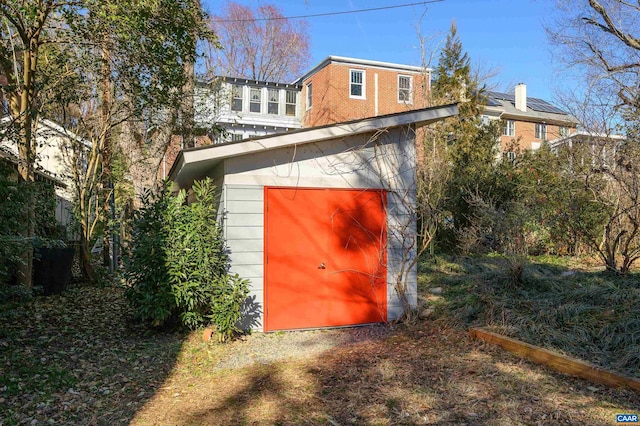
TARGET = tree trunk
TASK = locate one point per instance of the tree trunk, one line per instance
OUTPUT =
(187, 123)
(88, 272)
(105, 180)
(22, 109)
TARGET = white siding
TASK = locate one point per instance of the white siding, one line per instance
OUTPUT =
(244, 233)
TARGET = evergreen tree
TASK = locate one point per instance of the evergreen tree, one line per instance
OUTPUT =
(472, 145)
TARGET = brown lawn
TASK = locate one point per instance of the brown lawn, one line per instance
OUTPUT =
(74, 359)
(423, 374)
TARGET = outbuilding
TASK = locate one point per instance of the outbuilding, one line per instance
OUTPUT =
(320, 220)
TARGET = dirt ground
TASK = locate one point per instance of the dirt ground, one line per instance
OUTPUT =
(75, 359)
(422, 374)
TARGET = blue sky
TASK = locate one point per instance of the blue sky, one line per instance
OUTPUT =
(506, 36)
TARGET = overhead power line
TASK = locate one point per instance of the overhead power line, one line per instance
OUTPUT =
(330, 13)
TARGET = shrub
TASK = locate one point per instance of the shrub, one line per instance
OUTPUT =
(177, 268)
(149, 288)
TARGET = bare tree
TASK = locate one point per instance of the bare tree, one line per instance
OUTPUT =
(260, 44)
(601, 37)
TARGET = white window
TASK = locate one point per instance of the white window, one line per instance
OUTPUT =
(273, 101)
(356, 87)
(309, 95)
(236, 137)
(563, 131)
(509, 128)
(541, 131)
(511, 156)
(236, 98)
(405, 89)
(290, 102)
(254, 100)
(485, 120)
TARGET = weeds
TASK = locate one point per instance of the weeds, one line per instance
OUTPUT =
(590, 315)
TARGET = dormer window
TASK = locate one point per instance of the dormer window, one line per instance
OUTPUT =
(356, 87)
(290, 103)
(254, 100)
(274, 100)
(236, 98)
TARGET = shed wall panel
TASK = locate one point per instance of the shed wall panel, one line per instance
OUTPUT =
(244, 235)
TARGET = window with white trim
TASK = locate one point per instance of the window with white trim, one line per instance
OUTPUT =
(356, 86)
(405, 89)
(563, 131)
(236, 97)
(309, 95)
(290, 102)
(273, 101)
(254, 100)
(509, 128)
(510, 155)
(236, 137)
(541, 131)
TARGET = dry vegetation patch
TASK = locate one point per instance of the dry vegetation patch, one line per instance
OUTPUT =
(422, 374)
(74, 359)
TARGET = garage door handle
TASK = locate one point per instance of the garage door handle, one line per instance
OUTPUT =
(322, 266)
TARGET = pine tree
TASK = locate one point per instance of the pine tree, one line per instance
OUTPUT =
(472, 144)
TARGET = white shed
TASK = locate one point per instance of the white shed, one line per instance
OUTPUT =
(320, 220)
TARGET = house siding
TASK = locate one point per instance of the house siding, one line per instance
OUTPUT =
(244, 234)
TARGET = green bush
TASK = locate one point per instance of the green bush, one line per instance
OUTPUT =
(177, 268)
(149, 288)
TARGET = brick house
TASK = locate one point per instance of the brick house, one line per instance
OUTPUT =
(528, 122)
(340, 89)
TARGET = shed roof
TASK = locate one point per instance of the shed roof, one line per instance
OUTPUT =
(192, 163)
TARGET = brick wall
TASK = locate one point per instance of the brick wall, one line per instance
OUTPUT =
(525, 136)
(332, 103)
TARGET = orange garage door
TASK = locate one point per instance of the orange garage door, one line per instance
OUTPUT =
(325, 257)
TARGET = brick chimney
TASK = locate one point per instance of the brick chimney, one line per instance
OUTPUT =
(521, 97)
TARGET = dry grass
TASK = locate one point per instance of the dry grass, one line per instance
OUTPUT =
(73, 359)
(422, 374)
(563, 306)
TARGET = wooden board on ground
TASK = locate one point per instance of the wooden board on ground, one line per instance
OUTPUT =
(555, 360)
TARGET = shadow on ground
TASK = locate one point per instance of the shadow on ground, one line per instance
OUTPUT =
(74, 359)
(422, 374)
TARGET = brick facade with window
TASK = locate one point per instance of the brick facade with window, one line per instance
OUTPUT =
(525, 136)
(348, 89)
(528, 122)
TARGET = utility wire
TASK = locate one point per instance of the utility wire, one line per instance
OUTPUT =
(329, 13)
